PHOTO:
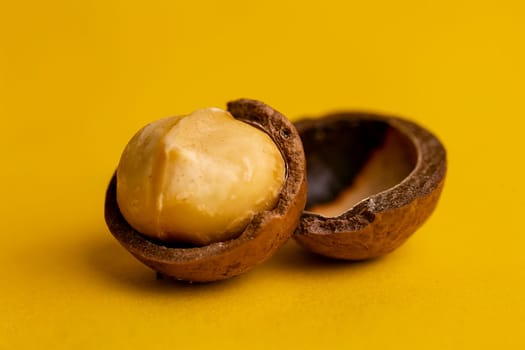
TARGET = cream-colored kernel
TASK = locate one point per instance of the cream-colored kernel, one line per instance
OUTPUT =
(198, 178)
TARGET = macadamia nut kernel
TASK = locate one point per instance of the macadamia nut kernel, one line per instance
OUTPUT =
(198, 178)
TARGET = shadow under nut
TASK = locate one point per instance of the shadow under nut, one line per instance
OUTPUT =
(267, 231)
(383, 220)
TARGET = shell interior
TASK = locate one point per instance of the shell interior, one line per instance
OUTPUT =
(350, 160)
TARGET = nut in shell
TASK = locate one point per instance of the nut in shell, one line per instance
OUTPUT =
(373, 180)
(259, 239)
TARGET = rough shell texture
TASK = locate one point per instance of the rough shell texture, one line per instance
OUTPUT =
(383, 221)
(262, 237)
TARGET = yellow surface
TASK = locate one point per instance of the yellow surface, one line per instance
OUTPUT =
(77, 79)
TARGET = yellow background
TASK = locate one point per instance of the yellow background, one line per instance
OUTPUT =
(78, 78)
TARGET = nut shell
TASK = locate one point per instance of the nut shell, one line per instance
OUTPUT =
(266, 232)
(381, 222)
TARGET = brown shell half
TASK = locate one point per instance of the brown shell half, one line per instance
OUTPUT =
(266, 232)
(403, 190)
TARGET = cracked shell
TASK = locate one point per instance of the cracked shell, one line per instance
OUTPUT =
(373, 180)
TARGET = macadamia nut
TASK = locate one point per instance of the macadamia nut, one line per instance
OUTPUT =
(198, 178)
